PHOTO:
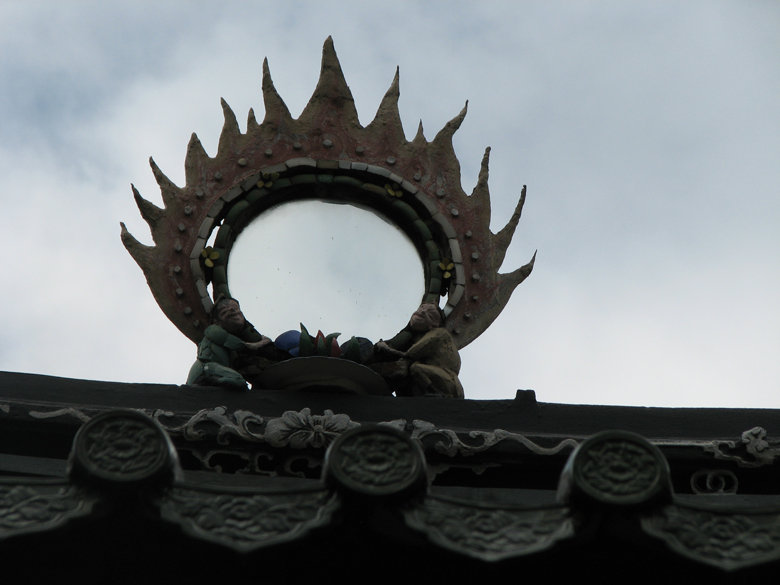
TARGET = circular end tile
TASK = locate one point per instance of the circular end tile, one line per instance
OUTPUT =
(375, 461)
(122, 447)
(617, 468)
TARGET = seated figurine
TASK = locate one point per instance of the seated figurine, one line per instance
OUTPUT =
(231, 345)
(430, 353)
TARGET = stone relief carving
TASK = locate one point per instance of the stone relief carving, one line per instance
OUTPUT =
(619, 468)
(299, 430)
(489, 534)
(237, 427)
(208, 465)
(302, 429)
(753, 441)
(246, 522)
(61, 412)
(455, 446)
(752, 450)
(32, 507)
(377, 460)
(728, 541)
(312, 463)
(123, 447)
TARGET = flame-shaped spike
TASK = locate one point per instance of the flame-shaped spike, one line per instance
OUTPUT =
(419, 140)
(503, 238)
(149, 211)
(196, 154)
(147, 258)
(332, 92)
(170, 192)
(141, 253)
(510, 280)
(444, 137)
(251, 121)
(507, 283)
(230, 130)
(276, 112)
(480, 196)
(388, 120)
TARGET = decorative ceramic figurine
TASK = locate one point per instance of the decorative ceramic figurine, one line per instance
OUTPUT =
(430, 353)
(231, 349)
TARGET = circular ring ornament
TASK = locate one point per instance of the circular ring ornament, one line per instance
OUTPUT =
(616, 468)
(375, 461)
(123, 447)
(327, 154)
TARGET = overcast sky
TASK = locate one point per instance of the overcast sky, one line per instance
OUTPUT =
(648, 134)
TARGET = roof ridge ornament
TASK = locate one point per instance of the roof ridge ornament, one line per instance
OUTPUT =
(417, 184)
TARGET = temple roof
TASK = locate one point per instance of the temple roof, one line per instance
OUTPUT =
(472, 487)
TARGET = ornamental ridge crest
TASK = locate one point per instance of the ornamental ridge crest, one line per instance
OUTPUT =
(326, 154)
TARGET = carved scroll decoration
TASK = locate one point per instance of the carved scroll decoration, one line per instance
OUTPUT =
(754, 442)
(714, 482)
(751, 450)
(454, 446)
(61, 412)
(304, 430)
(238, 427)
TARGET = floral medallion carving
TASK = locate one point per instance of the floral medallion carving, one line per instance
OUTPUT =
(247, 521)
(122, 446)
(31, 507)
(617, 467)
(728, 541)
(303, 429)
(377, 460)
(489, 534)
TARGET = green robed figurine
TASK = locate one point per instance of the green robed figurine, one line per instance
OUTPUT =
(231, 350)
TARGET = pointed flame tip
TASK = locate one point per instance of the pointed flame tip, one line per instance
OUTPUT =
(328, 48)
